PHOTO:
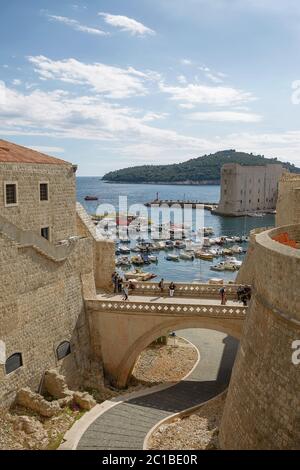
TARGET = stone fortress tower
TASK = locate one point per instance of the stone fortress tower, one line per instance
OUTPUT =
(247, 189)
(262, 410)
(49, 254)
(288, 205)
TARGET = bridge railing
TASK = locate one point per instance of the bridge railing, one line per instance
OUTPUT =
(218, 311)
(204, 291)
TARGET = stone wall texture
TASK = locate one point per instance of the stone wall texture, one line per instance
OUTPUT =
(58, 213)
(247, 189)
(262, 410)
(288, 204)
(41, 305)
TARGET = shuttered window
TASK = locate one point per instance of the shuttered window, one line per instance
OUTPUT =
(14, 362)
(63, 350)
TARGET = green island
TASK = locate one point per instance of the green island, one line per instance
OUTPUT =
(200, 170)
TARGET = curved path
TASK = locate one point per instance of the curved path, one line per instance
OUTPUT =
(125, 426)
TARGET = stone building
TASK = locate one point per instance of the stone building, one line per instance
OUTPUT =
(49, 254)
(248, 189)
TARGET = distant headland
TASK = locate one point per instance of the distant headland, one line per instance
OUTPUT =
(201, 170)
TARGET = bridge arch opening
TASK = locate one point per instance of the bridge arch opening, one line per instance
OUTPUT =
(228, 328)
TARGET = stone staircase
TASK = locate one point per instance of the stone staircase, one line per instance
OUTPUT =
(29, 239)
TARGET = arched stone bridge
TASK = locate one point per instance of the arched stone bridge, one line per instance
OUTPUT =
(120, 330)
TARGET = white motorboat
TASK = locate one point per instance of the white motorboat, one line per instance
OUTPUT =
(187, 256)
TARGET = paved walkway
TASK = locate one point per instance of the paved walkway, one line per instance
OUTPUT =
(125, 426)
(167, 300)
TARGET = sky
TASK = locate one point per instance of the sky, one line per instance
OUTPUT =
(108, 84)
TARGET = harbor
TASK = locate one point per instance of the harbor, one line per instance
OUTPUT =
(189, 267)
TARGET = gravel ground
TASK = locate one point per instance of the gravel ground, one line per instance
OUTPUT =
(197, 431)
(156, 365)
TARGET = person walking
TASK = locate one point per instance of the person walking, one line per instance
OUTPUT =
(222, 292)
(120, 284)
(161, 285)
(172, 288)
(125, 292)
(115, 282)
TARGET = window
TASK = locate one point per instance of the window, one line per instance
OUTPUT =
(63, 350)
(44, 193)
(11, 197)
(45, 233)
(14, 362)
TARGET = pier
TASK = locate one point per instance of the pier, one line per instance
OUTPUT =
(209, 206)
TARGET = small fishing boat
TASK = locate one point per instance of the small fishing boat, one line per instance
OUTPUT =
(137, 260)
(205, 255)
(187, 256)
(208, 231)
(124, 250)
(234, 261)
(91, 198)
(153, 258)
(179, 245)
(172, 258)
(237, 249)
(123, 261)
(218, 267)
(139, 275)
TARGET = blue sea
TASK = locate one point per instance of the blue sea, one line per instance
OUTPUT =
(183, 271)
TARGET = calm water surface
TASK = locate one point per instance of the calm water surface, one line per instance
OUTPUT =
(184, 271)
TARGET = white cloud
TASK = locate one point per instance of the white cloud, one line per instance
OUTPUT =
(74, 24)
(186, 105)
(112, 82)
(2, 93)
(225, 116)
(182, 79)
(46, 149)
(215, 77)
(61, 115)
(204, 94)
(126, 24)
(186, 62)
(17, 82)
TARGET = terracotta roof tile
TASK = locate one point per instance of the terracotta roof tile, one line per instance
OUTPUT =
(13, 153)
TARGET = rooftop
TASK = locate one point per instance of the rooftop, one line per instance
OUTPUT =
(13, 153)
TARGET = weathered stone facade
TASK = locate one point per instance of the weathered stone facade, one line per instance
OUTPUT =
(288, 205)
(58, 213)
(246, 189)
(262, 410)
(42, 282)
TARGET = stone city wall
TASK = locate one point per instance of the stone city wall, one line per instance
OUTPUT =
(262, 409)
(41, 305)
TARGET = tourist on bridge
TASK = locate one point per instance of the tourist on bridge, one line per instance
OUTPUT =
(114, 278)
(125, 292)
(172, 288)
(222, 292)
(161, 285)
(120, 284)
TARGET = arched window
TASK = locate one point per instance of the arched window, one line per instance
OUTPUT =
(63, 350)
(14, 362)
